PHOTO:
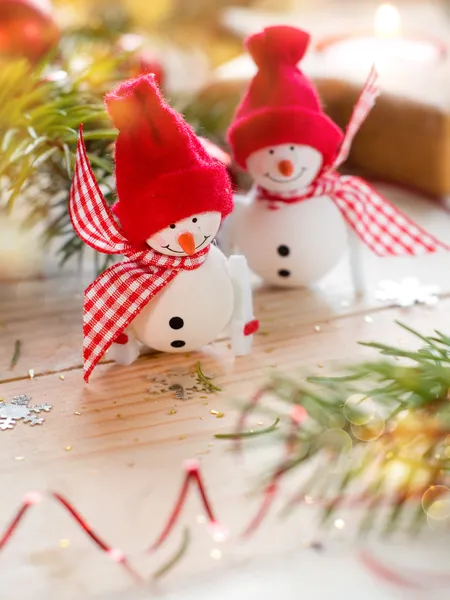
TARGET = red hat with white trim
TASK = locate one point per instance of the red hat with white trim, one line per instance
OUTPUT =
(163, 172)
(281, 105)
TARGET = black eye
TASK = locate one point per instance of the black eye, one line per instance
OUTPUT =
(172, 226)
(291, 148)
(271, 151)
(194, 220)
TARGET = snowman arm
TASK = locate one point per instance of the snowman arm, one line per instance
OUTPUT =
(226, 238)
(125, 349)
(243, 323)
(356, 262)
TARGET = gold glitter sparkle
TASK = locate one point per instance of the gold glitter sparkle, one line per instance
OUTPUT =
(217, 414)
(31, 373)
(68, 448)
(64, 543)
(172, 411)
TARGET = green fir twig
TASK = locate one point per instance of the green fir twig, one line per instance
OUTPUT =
(247, 434)
(405, 427)
(175, 559)
(16, 354)
(202, 378)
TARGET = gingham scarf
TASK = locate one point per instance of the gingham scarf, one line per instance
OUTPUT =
(379, 224)
(113, 300)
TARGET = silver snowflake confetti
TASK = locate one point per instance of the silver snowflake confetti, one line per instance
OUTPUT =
(19, 409)
(38, 407)
(14, 411)
(7, 423)
(183, 384)
(23, 399)
(179, 391)
(33, 420)
(407, 292)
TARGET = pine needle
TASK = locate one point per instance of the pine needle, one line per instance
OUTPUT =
(205, 380)
(172, 562)
(16, 354)
(247, 434)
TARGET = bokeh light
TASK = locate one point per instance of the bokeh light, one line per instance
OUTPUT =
(335, 440)
(436, 502)
(359, 409)
(337, 421)
(370, 431)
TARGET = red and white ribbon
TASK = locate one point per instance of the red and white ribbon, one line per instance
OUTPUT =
(113, 300)
(366, 102)
(378, 223)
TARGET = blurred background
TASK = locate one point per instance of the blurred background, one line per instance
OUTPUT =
(59, 57)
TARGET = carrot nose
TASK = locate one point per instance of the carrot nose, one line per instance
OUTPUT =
(187, 242)
(285, 167)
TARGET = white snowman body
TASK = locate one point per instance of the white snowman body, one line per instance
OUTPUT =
(191, 311)
(295, 245)
(197, 305)
(288, 244)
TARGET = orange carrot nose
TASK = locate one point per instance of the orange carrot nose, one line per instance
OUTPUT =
(285, 167)
(187, 242)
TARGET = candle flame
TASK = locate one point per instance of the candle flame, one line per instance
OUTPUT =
(387, 21)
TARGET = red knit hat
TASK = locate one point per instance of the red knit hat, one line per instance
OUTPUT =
(281, 105)
(163, 172)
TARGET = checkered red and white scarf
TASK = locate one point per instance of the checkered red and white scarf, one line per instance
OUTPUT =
(113, 300)
(379, 224)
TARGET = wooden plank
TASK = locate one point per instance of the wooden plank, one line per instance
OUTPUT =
(45, 315)
(123, 468)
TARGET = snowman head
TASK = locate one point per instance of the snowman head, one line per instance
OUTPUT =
(188, 236)
(284, 167)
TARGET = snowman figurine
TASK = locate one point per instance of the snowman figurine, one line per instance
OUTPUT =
(175, 291)
(300, 216)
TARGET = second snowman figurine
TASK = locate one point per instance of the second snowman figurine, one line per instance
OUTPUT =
(174, 291)
(296, 223)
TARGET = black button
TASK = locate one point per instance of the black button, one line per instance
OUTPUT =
(284, 273)
(176, 322)
(178, 344)
(283, 250)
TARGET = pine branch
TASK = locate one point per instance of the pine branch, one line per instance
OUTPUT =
(391, 423)
(41, 108)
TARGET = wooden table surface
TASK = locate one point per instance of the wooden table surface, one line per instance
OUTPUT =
(115, 448)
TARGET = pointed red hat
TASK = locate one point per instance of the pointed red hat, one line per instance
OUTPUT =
(281, 105)
(163, 172)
